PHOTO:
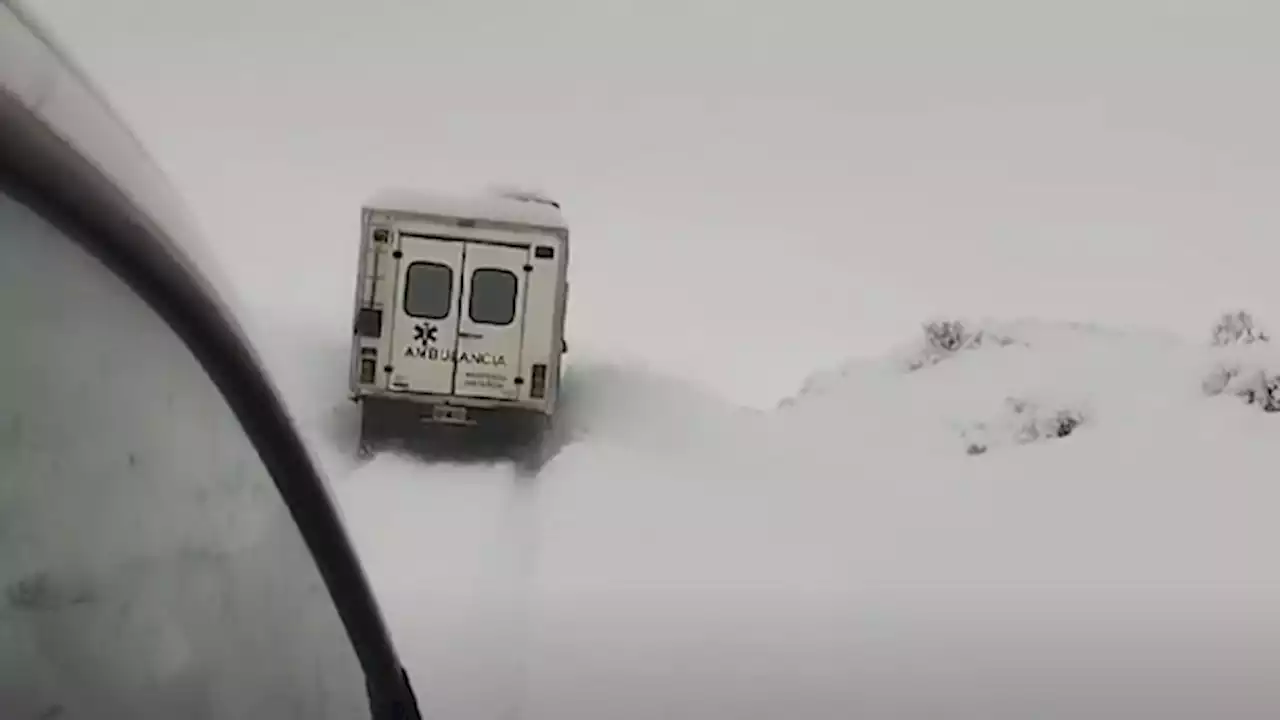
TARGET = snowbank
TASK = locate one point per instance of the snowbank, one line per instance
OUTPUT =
(1004, 520)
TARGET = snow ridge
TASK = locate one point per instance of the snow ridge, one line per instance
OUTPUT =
(1022, 492)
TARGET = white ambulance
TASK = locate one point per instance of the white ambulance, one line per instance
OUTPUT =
(459, 316)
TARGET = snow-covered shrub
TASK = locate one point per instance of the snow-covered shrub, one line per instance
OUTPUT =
(1246, 370)
(944, 338)
(1022, 421)
(1253, 384)
(1238, 328)
(946, 335)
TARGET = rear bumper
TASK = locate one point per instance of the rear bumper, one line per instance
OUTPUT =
(447, 410)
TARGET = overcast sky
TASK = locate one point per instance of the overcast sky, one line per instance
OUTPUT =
(755, 188)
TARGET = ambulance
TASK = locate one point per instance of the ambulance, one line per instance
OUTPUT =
(459, 317)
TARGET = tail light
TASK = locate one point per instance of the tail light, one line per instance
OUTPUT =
(538, 385)
(368, 365)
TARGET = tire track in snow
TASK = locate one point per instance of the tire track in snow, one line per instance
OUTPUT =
(452, 552)
(512, 575)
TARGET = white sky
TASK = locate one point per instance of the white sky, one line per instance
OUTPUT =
(756, 189)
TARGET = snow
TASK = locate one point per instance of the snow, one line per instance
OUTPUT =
(499, 206)
(846, 552)
(55, 88)
(1038, 520)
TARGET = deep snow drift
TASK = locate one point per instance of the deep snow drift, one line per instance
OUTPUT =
(1007, 520)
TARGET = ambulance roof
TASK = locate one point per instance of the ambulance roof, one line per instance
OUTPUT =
(498, 206)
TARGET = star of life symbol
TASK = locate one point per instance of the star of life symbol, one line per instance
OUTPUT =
(425, 333)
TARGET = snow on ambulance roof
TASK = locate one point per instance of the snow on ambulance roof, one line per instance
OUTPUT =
(498, 206)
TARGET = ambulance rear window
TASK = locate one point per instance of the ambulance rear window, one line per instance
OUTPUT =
(493, 296)
(428, 290)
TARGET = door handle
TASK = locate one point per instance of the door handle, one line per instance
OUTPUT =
(471, 335)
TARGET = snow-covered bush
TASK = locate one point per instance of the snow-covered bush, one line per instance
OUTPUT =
(1022, 421)
(946, 335)
(1238, 328)
(1254, 384)
(944, 338)
(1247, 372)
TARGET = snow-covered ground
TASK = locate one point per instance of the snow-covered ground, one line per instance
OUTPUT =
(905, 537)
